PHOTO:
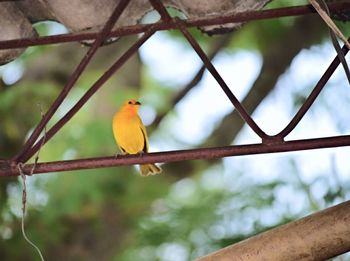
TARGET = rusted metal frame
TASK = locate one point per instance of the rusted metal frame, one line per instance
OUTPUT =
(93, 89)
(313, 95)
(210, 67)
(206, 21)
(72, 80)
(318, 143)
(6, 169)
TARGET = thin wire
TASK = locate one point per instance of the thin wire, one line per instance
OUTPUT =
(24, 191)
(43, 139)
(329, 22)
(24, 201)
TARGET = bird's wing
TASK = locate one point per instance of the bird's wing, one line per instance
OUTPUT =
(144, 134)
(145, 139)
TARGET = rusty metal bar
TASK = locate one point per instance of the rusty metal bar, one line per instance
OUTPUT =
(196, 78)
(210, 67)
(313, 95)
(335, 42)
(72, 80)
(93, 89)
(9, 169)
(158, 5)
(206, 21)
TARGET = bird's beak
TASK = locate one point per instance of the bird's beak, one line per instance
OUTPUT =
(137, 103)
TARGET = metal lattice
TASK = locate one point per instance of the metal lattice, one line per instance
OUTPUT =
(269, 143)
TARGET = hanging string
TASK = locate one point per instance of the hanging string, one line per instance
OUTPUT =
(24, 201)
(20, 166)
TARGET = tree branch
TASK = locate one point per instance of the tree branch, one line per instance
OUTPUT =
(319, 236)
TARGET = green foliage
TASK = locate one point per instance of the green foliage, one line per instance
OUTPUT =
(197, 217)
(286, 3)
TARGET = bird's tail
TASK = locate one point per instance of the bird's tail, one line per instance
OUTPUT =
(149, 169)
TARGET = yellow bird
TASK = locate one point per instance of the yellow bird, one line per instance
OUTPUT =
(130, 134)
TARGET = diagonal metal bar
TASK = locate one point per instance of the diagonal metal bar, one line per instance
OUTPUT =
(216, 48)
(194, 22)
(210, 67)
(336, 43)
(313, 95)
(93, 89)
(208, 64)
(158, 5)
(74, 77)
(9, 169)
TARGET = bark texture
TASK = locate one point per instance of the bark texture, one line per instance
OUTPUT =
(320, 236)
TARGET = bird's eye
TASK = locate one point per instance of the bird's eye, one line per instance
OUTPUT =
(130, 102)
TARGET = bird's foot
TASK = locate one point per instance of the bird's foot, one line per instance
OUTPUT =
(140, 153)
(118, 154)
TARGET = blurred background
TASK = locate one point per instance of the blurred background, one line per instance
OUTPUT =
(193, 207)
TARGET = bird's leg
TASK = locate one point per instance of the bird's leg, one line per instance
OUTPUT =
(140, 153)
(123, 152)
(118, 154)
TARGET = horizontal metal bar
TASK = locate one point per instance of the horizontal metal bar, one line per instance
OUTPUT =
(165, 25)
(8, 168)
